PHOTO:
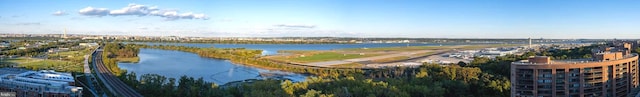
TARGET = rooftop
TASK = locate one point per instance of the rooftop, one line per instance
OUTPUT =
(4, 71)
(44, 78)
(570, 61)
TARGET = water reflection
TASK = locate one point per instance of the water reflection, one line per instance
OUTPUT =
(175, 64)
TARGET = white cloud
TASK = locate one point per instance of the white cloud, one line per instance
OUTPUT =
(59, 13)
(28, 23)
(90, 11)
(143, 28)
(173, 15)
(133, 9)
(295, 25)
(142, 10)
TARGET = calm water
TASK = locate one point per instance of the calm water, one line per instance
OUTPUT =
(175, 63)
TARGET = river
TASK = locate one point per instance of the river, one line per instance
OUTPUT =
(174, 64)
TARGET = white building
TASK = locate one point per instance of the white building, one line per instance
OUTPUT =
(93, 38)
(89, 44)
(44, 83)
(53, 50)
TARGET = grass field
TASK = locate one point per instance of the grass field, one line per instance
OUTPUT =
(129, 60)
(6, 62)
(40, 64)
(70, 53)
(295, 51)
(75, 56)
(21, 60)
(68, 61)
(351, 53)
(325, 56)
(411, 48)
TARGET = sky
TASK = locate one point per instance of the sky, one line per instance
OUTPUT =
(565, 19)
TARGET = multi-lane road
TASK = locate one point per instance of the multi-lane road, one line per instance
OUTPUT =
(111, 82)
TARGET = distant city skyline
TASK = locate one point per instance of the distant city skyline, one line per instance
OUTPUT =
(558, 19)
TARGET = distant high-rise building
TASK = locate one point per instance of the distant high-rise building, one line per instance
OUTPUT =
(529, 42)
(611, 72)
(64, 33)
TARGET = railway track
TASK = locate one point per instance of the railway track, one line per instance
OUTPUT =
(112, 83)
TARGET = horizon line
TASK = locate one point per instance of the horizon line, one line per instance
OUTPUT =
(334, 37)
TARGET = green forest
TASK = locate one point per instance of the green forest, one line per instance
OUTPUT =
(117, 50)
(429, 80)
(483, 78)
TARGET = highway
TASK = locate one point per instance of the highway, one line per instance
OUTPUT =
(112, 83)
(88, 76)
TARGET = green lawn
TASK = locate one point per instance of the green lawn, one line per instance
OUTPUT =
(20, 60)
(327, 56)
(75, 56)
(351, 53)
(40, 64)
(410, 48)
(129, 60)
(5, 63)
(68, 61)
(70, 53)
(296, 51)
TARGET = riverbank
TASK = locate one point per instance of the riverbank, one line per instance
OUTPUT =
(248, 57)
(175, 64)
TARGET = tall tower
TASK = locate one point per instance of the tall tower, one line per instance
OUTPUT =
(529, 42)
(64, 35)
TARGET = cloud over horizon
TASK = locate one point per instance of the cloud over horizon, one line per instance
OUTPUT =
(141, 10)
(90, 11)
(295, 25)
(27, 23)
(59, 13)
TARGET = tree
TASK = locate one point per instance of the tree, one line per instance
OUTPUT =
(586, 56)
(314, 93)
(528, 54)
(477, 61)
(422, 73)
(462, 64)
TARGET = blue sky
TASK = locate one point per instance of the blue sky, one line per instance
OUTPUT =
(338, 18)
